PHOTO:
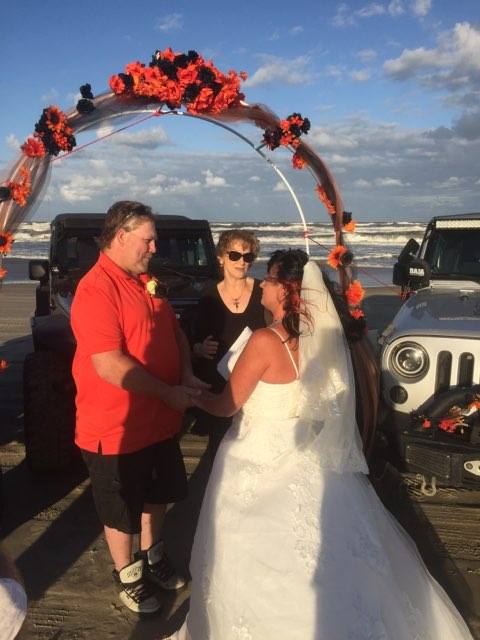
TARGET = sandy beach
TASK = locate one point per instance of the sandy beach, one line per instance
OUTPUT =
(51, 530)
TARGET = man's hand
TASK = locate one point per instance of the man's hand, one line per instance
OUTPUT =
(180, 397)
(190, 380)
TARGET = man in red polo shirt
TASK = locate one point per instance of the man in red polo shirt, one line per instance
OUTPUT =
(134, 380)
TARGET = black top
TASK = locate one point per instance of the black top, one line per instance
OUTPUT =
(215, 319)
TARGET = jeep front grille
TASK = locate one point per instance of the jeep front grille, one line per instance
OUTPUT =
(443, 378)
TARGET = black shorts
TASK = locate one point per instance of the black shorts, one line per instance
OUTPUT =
(123, 483)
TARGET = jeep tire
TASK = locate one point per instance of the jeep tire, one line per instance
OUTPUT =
(49, 412)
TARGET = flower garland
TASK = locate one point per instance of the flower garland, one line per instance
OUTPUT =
(6, 242)
(181, 78)
(17, 190)
(456, 420)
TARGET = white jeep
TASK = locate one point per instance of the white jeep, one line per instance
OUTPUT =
(430, 355)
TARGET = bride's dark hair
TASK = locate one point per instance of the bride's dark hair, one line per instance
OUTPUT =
(290, 263)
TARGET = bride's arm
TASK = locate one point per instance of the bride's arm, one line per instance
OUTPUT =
(250, 367)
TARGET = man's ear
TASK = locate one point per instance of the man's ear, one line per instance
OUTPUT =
(121, 236)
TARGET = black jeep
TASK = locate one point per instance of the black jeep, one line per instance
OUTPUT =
(184, 260)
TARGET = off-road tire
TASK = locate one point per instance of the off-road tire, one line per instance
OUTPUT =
(49, 412)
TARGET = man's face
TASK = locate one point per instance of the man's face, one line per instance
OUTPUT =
(138, 246)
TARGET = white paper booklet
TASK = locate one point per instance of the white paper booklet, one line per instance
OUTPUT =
(226, 364)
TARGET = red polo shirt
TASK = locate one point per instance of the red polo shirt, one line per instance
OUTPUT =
(112, 310)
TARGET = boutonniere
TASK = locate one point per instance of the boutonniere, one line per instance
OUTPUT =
(152, 286)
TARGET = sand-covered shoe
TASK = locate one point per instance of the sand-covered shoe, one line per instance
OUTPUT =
(136, 591)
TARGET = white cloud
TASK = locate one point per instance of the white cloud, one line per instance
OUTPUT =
(421, 7)
(295, 31)
(254, 179)
(104, 130)
(396, 8)
(212, 180)
(81, 187)
(169, 22)
(360, 75)
(366, 55)
(282, 70)
(13, 142)
(345, 17)
(158, 178)
(280, 186)
(184, 187)
(360, 183)
(389, 182)
(147, 139)
(49, 96)
(454, 64)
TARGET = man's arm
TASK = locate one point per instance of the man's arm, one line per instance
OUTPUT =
(122, 371)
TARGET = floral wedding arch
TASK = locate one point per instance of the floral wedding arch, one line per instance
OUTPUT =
(187, 84)
(170, 82)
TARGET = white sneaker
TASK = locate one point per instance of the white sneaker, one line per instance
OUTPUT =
(136, 594)
(159, 570)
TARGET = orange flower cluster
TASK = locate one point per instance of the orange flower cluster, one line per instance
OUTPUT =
(335, 256)
(34, 148)
(357, 314)
(175, 79)
(52, 135)
(355, 293)
(3, 365)
(350, 226)
(322, 194)
(3, 273)
(6, 242)
(19, 191)
(297, 161)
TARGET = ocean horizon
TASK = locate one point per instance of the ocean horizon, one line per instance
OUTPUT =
(375, 245)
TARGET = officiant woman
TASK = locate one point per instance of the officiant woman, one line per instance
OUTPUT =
(225, 309)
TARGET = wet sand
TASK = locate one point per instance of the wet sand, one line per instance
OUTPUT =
(51, 530)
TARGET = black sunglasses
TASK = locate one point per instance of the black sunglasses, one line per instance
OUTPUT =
(236, 255)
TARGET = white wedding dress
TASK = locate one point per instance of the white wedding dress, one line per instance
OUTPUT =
(288, 547)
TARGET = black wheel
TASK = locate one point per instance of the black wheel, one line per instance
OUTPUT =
(49, 412)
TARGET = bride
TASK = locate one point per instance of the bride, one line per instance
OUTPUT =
(292, 542)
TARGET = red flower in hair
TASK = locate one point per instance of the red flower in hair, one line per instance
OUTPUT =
(357, 314)
(297, 161)
(335, 256)
(6, 242)
(354, 294)
(34, 148)
(3, 365)
(20, 190)
(322, 194)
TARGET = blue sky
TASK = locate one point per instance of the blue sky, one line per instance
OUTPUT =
(392, 89)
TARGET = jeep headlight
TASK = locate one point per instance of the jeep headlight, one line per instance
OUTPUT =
(409, 360)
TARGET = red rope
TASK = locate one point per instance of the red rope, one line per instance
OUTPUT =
(107, 135)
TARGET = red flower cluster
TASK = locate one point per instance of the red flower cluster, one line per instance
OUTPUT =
(457, 418)
(355, 293)
(3, 273)
(287, 133)
(335, 256)
(52, 135)
(3, 365)
(297, 161)
(176, 78)
(19, 191)
(6, 242)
